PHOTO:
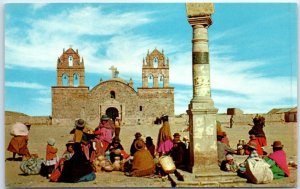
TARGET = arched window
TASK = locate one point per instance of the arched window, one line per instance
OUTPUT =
(150, 81)
(65, 79)
(155, 62)
(161, 80)
(70, 60)
(112, 94)
(76, 79)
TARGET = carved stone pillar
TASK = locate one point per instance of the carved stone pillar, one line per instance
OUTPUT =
(202, 113)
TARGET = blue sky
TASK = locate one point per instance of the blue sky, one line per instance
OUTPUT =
(253, 50)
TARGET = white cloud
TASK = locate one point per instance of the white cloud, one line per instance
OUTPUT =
(39, 46)
(37, 6)
(25, 85)
(243, 84)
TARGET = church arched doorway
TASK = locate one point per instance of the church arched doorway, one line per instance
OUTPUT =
(112, 112)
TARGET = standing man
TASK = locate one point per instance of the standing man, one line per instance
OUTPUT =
(118, 123)
(231, 121)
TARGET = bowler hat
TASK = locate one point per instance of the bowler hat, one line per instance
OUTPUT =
(139, 144)
(277, 144)
(176, 134)
(164, 115)
(252, 137)
(138, 134)
(104, 117)
(70, 142)
(116, 140)
(80, 123)
(148, 138)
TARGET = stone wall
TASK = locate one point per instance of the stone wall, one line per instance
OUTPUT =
(157, 101)
(69, 102)
(126, 101)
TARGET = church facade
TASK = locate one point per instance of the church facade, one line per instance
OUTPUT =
(72, 99)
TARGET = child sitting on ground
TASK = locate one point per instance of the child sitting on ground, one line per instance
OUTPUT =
(228, 164)
(51, 157)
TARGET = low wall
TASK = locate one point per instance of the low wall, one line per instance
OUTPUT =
(34, 120)
(247, 118)
(183, 119)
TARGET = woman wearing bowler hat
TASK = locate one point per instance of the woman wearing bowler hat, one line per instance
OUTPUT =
(105, 131)
(133, 149)
(277, 161)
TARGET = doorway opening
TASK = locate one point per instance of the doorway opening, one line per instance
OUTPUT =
(112, 112)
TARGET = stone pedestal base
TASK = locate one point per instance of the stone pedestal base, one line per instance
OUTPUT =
(203, 149)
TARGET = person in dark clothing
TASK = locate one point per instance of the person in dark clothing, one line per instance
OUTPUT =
(150, 146)
(78, 168)
(115, 149)
(178, 152)
(257, 130)
(133, 149)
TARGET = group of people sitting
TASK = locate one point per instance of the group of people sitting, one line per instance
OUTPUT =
(100, 149)
(273, 165)
(92, 150)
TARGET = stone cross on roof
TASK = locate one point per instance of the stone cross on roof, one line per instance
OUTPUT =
(114, 72)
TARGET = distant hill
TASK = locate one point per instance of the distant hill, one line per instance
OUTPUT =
(14, 114)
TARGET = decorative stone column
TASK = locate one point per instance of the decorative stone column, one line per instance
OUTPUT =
(202, 113)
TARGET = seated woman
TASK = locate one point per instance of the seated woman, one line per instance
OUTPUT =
(69, 152)
(259, 150)
(78, 168)
(277, 161)
(143, 163)
(115, 149)
(253, 154)
(150, 146)
(178, 152)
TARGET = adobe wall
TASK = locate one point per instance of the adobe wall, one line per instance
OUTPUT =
(34, 120)
(157, 101)
(126, 101)
(69, 102)
(247, 118)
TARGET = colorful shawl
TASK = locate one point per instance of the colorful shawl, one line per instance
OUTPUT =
(280, 158)
(143, 163)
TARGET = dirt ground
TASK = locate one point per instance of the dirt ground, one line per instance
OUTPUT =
(285, 132)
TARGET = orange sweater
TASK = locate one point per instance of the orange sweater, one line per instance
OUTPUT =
(50, 152)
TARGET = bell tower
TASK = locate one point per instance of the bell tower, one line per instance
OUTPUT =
(155, 86)
(70, 69)
(70, 94)
(155, 70)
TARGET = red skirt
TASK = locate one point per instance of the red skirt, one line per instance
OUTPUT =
(262, 141)
(18, 144)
